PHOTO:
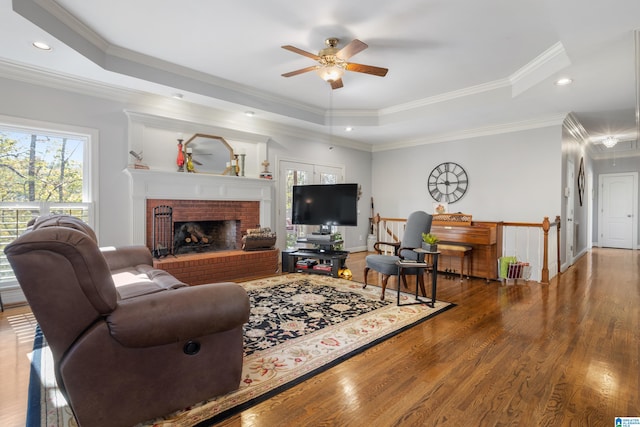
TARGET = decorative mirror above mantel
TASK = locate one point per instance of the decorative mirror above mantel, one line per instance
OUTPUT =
(211, 154)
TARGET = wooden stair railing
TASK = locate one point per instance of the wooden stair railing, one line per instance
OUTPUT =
(545, 225)
(388, 230)
(391, 230)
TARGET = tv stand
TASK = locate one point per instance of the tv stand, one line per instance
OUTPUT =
(328, 260)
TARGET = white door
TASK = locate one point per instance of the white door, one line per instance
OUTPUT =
(297, 173)
(618, 210)
(569, 226)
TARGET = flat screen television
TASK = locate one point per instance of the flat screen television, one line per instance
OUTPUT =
(325, 205)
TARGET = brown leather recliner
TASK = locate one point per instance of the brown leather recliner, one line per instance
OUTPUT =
(123, 361)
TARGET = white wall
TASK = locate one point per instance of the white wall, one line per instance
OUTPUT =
(512, 177)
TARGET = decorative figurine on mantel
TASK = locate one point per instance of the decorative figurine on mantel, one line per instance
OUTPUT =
(180, 158)
(232, 167)
(265, 174)
(237, 165)
(190, 167)
(138, 163)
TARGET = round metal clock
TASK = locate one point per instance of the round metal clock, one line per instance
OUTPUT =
(448, 182)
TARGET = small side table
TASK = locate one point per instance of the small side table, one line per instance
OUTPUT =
(420, 265)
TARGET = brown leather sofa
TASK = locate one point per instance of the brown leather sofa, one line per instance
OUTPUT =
(132, 352)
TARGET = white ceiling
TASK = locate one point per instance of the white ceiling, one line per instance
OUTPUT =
(456, 68)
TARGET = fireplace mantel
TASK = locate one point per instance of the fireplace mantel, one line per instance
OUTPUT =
(149, 184)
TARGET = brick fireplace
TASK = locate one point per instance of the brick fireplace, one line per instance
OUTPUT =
(244, 213)
(199, 197)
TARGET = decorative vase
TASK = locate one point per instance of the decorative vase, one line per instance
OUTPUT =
(242, 159)
(180, 158)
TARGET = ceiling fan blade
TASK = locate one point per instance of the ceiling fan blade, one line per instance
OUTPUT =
(302, 52)
(300, 71)
(336, 84)
(351, 49)
(368, 69)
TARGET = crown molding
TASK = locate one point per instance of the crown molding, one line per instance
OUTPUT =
(542, 122)
(448, 96)
(67, 19)
(177, 76)
(575, 128)
(537, 62)
(54, 19)
(32, 75)
(555, 56)
(169, 107)
(57, 80)
(540, 68)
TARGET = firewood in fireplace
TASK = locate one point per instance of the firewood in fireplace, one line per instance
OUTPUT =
(194, 236)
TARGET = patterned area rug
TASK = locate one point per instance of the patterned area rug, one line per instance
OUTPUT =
(300, 325)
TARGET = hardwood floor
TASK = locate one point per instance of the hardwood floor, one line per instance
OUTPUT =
(532, 355)
(16, 342)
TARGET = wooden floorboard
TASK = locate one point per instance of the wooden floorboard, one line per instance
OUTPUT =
(563, 354)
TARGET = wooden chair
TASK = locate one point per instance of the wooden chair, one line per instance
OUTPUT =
(417, 223)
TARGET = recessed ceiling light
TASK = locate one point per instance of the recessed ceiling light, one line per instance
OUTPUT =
(249, 113)
(42, 46)
(348, 129)
(563, 81)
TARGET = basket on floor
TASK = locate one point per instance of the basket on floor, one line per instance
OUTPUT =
(510, 268)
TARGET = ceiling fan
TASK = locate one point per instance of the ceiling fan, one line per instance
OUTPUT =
(332, 62)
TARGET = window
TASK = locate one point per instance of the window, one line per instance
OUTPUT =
(42, 172)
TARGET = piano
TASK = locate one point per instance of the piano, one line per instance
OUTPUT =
(484, 237)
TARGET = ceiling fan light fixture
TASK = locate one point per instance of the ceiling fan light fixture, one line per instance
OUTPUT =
(610, 141)
(330, 73)
(332, 62)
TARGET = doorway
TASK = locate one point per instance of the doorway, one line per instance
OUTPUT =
(299, 173)
(618, 203)
(569, 226)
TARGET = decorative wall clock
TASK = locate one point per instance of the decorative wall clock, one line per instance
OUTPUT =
(581, 180)
(448, 182)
